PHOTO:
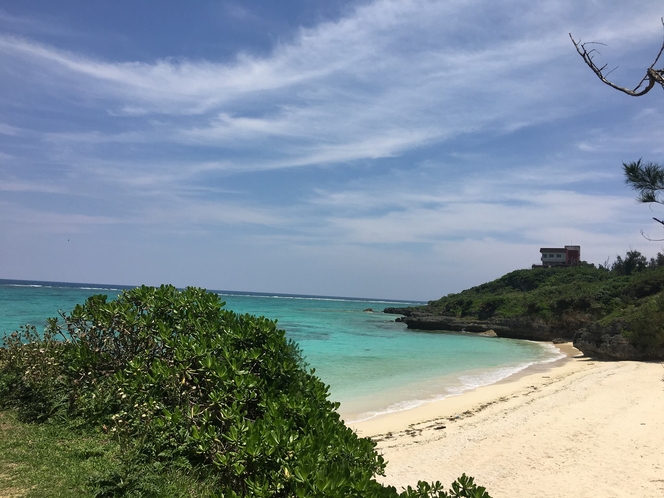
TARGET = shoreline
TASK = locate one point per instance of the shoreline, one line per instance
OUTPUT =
(428, 408)
(573, 427)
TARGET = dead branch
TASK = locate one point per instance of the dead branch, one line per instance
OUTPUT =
(643, 234)
(652, 76)
(648, 237)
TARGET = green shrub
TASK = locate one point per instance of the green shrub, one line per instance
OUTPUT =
(181, 382)
(488, 308)
(463, 487)
(525, 280)
(33, 376)
(645, 324)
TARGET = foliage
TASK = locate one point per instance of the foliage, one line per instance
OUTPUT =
(634, 262)
(645, 177)
(463, 487)
(33, 374)
(568, 298)
(645, 324)
(182, 384)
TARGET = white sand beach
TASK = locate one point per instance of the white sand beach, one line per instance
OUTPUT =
(579, 428)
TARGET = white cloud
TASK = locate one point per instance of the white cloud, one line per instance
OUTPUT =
(18, 186)
(12, 131)
(436, 128)
(389, 77)
(50, 221)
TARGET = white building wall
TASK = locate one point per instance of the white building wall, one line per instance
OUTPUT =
(553, 257)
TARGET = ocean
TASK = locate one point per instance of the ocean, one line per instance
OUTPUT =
(372, 364)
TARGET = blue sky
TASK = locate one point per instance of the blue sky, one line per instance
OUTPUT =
(394, 149)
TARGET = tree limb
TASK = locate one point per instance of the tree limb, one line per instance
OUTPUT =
(652, 76)
(650, 239)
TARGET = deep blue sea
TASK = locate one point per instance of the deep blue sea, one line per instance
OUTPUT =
(372, 364)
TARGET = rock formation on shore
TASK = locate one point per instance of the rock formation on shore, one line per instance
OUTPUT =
(609, 343)
(595, 340)
(513, 328)
(607, 314)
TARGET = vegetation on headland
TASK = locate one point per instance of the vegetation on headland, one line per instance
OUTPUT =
(624, 300)
(162, 392)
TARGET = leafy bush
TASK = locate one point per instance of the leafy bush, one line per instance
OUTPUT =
(183, 383)
(634, 262)
(645, 324)
(487, 309)
(32, 374)
(463, 487)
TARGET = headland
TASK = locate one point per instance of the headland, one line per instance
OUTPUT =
(614, 314)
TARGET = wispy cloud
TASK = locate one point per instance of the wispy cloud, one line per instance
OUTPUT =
(12, 131)
(413, 127)
(13, 186)
(50, 222)
(383, 80)
(32, 24)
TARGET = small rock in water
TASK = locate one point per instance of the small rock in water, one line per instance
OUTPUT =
(368, 310)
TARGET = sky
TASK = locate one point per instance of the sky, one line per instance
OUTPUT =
(398, 149)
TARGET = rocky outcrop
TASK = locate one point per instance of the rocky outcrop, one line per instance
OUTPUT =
(593, 339)
(419, 321)
(608, 343)
(534, 329)
(514, 328)
(399, 311)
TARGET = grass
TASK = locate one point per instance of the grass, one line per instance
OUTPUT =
(49, 460)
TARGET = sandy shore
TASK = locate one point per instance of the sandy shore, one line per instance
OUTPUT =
(579, 428)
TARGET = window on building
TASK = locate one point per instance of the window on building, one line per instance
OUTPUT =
(558, 255)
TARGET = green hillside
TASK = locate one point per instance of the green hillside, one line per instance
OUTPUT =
(552, 293)
(627, 297)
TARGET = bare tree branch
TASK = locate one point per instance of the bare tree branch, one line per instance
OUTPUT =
(652, 76)
(650, 239)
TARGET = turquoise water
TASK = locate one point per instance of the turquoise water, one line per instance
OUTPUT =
(372, 364)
